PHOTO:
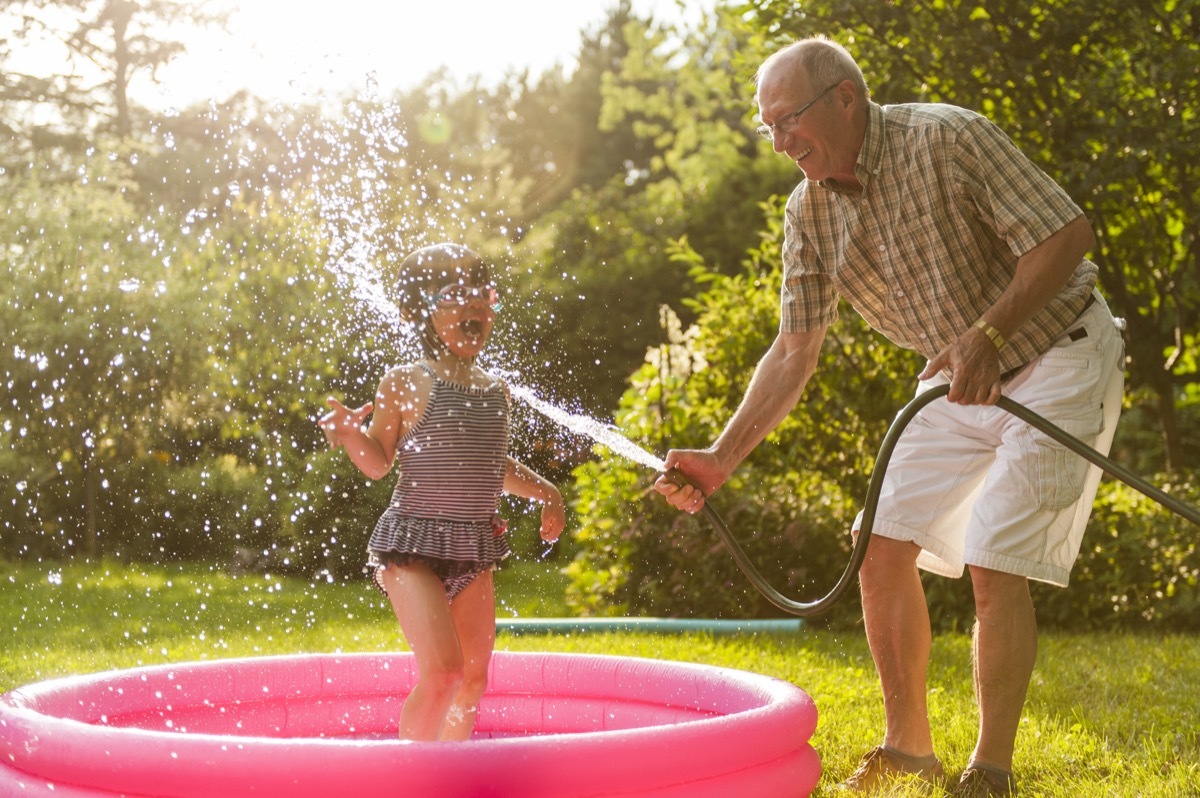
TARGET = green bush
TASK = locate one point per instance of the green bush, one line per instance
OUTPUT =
(637, 555)
(1139, 565)
(792, 501)
(201, 511)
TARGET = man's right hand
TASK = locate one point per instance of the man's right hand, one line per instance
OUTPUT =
(701, 472)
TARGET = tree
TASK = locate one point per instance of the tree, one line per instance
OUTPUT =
(103, 44)
(101, 337)
(691, 168)
(570, 149)
(1104, 99)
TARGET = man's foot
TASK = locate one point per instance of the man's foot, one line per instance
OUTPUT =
(984, 781)
(882, 765)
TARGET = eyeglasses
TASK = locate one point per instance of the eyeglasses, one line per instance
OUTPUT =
(788, 123)
(459, 294)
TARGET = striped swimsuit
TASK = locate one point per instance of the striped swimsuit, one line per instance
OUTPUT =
(443, 511)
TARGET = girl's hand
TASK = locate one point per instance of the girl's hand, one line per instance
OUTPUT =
(341, 419)
(554, 517)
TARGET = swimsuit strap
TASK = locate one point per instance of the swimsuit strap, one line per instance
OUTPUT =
(493, 385)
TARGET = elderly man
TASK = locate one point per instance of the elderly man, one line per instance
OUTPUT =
(947, 240)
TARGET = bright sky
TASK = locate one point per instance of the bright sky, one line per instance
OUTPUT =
(299, 49)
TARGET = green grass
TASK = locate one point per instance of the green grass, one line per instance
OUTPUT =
(1108, 714)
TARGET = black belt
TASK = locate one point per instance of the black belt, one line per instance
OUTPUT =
(1077, 334)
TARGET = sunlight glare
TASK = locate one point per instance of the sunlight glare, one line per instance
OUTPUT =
(304, 50)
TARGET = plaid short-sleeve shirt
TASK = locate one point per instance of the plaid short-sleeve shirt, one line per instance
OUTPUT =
(948, 206)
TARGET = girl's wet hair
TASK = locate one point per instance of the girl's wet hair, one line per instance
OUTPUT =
(422, 274)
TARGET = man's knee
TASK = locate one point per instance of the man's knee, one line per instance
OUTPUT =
(996, 591)
(886, 560)
(886, 553)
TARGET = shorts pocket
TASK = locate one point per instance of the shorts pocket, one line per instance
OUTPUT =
(1056, 473)
(1064, 360)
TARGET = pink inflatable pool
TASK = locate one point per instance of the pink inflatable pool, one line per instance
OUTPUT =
(562, 725)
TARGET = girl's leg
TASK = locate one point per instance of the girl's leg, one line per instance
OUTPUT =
(423, 611)
(474, 611)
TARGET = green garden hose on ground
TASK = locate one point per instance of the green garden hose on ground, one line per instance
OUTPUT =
(710, 626)
(810, 608)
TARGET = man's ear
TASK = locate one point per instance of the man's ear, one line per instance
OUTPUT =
(847, 94)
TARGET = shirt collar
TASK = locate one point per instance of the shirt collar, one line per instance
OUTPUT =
(870, 155)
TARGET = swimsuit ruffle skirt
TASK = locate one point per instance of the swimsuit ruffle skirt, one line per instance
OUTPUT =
(443, 511)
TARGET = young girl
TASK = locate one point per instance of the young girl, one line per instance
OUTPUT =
(446, 422)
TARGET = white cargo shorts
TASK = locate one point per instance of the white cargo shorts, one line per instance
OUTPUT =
(975, 485)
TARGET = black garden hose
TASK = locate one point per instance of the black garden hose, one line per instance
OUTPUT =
(809, 608)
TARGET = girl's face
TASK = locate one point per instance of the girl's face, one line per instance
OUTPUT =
(462, 316)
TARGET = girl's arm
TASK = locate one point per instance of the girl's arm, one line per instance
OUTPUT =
(520, 480)
(373, 448)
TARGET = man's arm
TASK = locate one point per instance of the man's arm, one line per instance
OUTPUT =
(973, 360)
(774, 391)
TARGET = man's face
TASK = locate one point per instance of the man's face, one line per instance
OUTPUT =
(816, 139)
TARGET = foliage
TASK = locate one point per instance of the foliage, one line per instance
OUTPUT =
(103, 45)
(1139, 566)
(1104, 101)
(791, 502)
(692, 169)
(101, 334)
(164, 407)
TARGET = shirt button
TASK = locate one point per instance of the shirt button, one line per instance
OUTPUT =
(899, 294)
(882, 248)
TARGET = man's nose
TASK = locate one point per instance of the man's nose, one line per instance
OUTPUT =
(779, 140)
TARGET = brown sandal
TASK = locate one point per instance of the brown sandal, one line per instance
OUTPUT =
(982, 781)
(881, 765)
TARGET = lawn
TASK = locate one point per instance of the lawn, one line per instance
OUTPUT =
(1108, 714)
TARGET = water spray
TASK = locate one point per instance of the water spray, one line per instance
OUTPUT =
(601, 433)
(858, 553)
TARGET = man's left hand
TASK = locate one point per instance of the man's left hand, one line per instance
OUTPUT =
(973, 364)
